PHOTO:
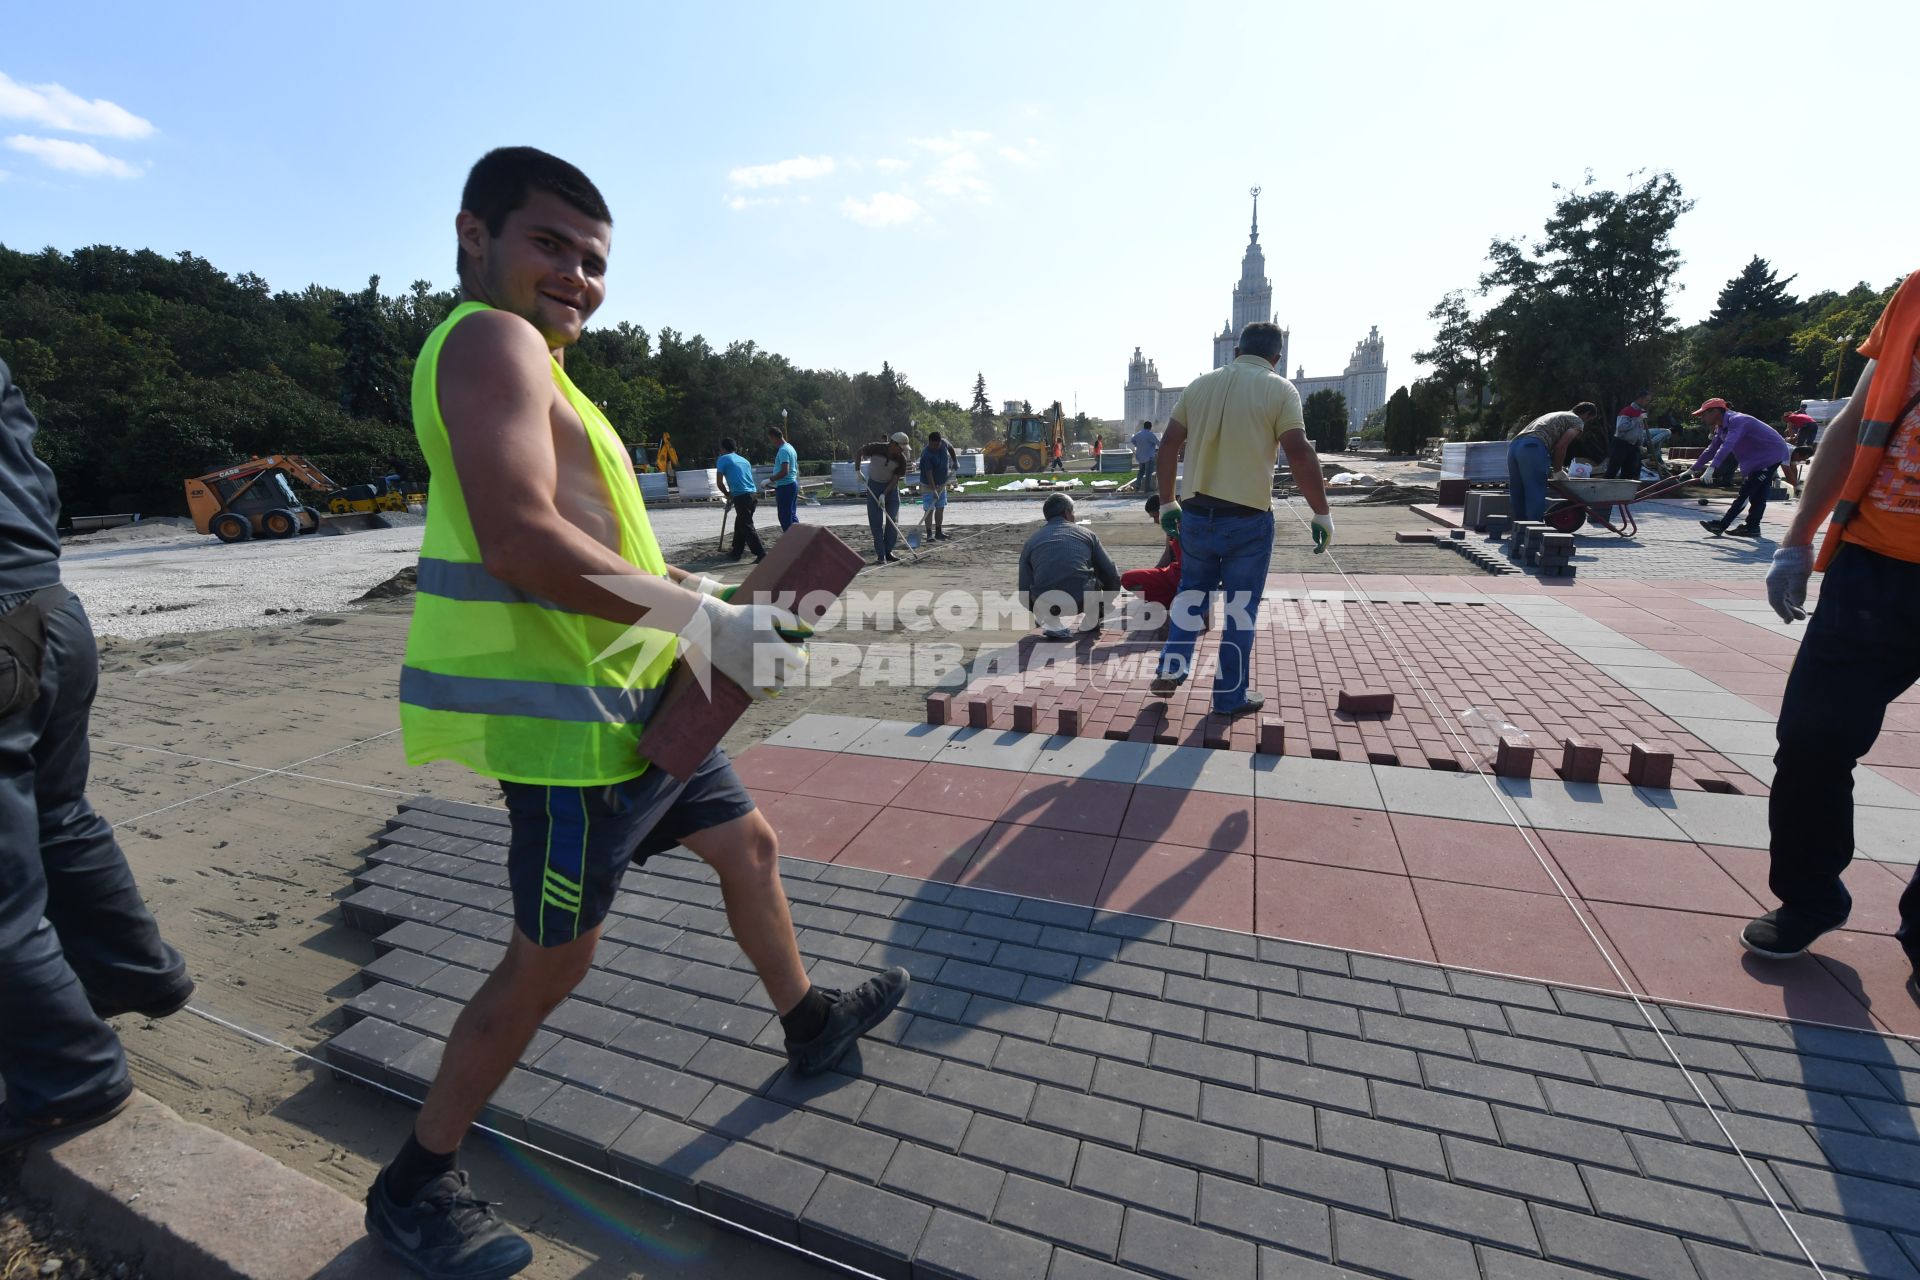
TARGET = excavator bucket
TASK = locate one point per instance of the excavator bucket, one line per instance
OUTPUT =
(354, 522)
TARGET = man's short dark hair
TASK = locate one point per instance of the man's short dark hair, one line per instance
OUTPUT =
(501, 180)
(1153, 505)
(777, 433)
(1587, 409)
(1058, 505)
(1146, 424)
(933, 437)
(726, 444)
(1262, 339)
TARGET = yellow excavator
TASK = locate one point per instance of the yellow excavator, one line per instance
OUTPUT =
(664, 459)
(1029, 442)
(255, 498)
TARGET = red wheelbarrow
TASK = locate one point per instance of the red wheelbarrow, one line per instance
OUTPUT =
(1596, 500)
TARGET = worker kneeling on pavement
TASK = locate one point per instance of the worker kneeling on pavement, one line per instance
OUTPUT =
(1066, 573)
(545, 627)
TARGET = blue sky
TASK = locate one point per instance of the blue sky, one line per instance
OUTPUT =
(1028, 190)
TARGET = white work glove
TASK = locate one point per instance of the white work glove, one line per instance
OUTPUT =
(1787, 581)
(743, 642)
(1560, 474)
(707, 586)
(1322, 533)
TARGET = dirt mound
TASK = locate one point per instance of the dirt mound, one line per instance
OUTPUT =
(144, 531)
(1403, 495)
(399, 586)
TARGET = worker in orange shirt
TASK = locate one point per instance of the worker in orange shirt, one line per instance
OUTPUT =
(1862, 646)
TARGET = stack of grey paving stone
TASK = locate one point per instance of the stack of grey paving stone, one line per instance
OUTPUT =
(1072, 1095)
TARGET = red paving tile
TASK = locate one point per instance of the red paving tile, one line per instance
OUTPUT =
(1467, 655)
(1332, 836)
(866, 779)
(1692, 956)
(963, 790)
(1071, 804)
(1174, 882)
(907, 842)
(1339, 907)
(1533, 934)
(1064, 866)
(1908, 778)
(817, 828)
(1483, 853)
(1901, 750)
(1875, 970)
(1648, 873)
(1197, 819)
(765, 768)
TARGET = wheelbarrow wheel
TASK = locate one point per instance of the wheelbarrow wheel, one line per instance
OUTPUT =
(1565, 517)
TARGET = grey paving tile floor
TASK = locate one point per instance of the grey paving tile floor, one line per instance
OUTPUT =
(1070, 1095)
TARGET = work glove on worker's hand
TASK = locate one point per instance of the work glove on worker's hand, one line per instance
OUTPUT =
(1322, 532)
(1559, 473)
(754, 645)
(1787, 581)
(707, 586)
(1170, 518)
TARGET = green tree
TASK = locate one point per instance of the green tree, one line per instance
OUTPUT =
(1326, 416)
(1753, 318)
(1401, 427)
(1458, 357)
(372, 383)
(1582, 313)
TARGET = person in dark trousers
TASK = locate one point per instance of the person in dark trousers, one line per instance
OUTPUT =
(887, 464)
(1760, 452)
(1145, 446)
(734, 474)
(1629, 438)
(1064, 572)
(1059, 461)
(77, 943)
(936, 471)
(1860, 651)
(785, 479)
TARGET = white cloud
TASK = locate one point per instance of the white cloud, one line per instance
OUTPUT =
(72, 157)
(781, 172)
(885, 209)
(955, 140)
(52, 106)
(959, 175)
(892, 164)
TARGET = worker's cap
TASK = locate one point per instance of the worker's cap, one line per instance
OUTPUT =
(1715, 403)
(1799, 419)
(898, 437)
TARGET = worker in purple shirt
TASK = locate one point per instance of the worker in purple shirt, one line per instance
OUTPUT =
(1760, 452)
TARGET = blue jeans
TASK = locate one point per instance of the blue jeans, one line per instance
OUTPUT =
(1145, 479)
(1858, 655)
(885, 528)
(72, 923)
(786, 503)
(1228, 554)
(1528, 463)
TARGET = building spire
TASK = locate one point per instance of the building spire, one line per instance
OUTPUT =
(1255, 193)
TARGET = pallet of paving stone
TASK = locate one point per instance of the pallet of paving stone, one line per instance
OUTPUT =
(1071, 1093)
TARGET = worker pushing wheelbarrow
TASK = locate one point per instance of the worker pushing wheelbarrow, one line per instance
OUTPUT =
(1596, 500)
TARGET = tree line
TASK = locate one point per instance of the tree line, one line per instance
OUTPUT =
(146, 369)
(1582, 313)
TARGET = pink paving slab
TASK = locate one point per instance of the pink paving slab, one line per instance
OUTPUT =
(1339, 907)
(1070, 804)
(1874, 970)
(1481, 853)
(1174, 882)
(864, 779)
(907, 842)
(1649, 873)
(766, 768)
(1509, 931)
(1197, 819)
(960, 789)
(1065, 866)
(1331, 835)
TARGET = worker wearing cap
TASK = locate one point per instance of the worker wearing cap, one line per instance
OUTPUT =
(888, 462)
(1629, 437)
(1859, 653)
(1760, 452)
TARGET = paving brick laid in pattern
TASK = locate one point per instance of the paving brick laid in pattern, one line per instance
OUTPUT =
(1085, 1095)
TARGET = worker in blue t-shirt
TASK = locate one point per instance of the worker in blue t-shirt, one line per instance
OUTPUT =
(936, 470)
(735, 476)
(785, 479)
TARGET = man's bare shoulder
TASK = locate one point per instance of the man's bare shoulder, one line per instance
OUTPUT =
(494, 345)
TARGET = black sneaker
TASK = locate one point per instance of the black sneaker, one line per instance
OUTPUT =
(17, 1132)
(447, 1233)
(1713, 527)
(1254, 702)
(1745, 531)
(1784, 933)
(850, 1015)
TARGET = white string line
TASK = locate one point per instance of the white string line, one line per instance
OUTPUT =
(659, 1196)
(287, 772)
(258, 774)
(1408, 669)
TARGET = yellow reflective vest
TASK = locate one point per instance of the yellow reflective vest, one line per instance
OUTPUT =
(510, 685)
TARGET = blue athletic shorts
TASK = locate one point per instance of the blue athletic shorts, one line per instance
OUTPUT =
(933, 497)
(569, 846)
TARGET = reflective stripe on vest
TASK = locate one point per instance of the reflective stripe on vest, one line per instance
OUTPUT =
(536, 699)
(460, 580)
